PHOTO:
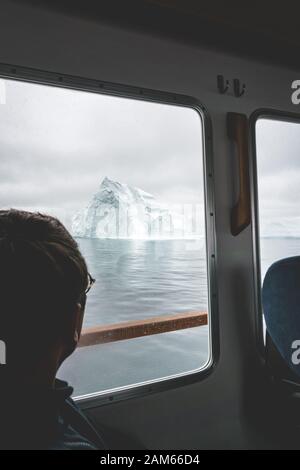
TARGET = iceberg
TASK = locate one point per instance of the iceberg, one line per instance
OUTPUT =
(118, 210)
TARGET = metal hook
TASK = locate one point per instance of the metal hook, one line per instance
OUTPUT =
(223, 85)
(238, 90)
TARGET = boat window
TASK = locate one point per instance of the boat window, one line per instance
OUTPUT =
(126, 177)
(278, 177)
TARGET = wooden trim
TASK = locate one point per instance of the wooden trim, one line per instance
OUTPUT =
(238, 130)
(137, 328)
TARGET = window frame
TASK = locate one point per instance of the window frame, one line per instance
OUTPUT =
(275, 115)
(35, 76)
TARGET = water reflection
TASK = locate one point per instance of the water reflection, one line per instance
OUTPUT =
(140, 279)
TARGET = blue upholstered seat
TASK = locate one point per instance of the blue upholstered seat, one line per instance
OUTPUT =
(281, 306)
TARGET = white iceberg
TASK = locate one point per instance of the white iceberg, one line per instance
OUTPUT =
(118, 210)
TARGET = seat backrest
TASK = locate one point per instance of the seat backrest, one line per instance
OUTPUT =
(281, 307)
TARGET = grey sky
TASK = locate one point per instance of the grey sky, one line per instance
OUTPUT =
(58, 144)
(278, 161)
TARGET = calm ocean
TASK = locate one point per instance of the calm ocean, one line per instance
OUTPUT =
(138, 279)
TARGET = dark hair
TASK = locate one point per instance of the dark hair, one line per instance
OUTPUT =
(42, 277)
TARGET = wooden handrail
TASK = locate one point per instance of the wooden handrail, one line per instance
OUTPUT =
(137, 328)
(238, 129)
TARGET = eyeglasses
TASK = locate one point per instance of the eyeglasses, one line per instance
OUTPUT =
(91, 282)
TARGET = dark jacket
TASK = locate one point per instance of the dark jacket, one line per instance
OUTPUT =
(47, 419)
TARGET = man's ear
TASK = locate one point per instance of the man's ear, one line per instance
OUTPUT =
(72, 335)
(74, 330)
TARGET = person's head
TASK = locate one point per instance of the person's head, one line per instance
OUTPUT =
(43, 283)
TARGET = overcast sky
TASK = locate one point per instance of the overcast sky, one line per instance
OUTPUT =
(278, 161)
(57, 145)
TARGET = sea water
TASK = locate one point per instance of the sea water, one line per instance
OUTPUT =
(138, 279)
